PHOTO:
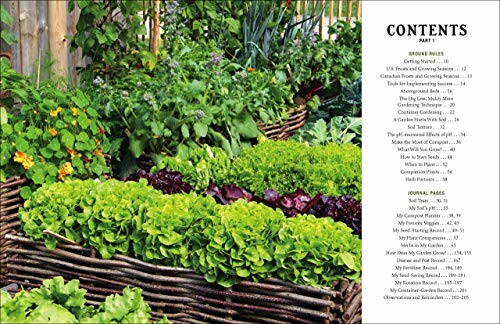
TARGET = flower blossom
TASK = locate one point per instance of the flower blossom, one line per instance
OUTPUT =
(64, 171)
(53, 113)
(24, 159)
(74, 111)
(52, 132)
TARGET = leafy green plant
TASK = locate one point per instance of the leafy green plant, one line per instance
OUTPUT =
(335, 121)
(220, 21)
(56, 133)
(348, 103)
(339, 130)
(285, 166)
(317, 251)
(169, 229)
(225, 243)
(57, 302)
(107, 32)
(214, 102)
(240, 244)
(322, 65)
(5, 18)
(204, 164)
(102, 215)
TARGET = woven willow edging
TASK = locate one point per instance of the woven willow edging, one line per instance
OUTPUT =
(181, 294)
(10, 201)
(281, 131)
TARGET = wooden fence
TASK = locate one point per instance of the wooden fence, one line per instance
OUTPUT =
(42, 26)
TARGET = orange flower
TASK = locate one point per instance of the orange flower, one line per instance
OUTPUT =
(64, 171)
(52, 132)
(74, 111)
(24, 159)
(53, 113)
(73, 153)
(98, 152)
(251, 69)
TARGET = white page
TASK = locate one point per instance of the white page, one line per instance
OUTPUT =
(430, 162)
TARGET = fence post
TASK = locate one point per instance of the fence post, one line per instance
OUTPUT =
(349, 10)
(358, 13)
(57, 12)
(156, 27)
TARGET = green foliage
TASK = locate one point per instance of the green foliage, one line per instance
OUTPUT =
(54, 135)
(57, 302)
(318, 250)
(285, 166)
(226, 243)
(110, 42)
(348, 103)
(104, 215)
(339, 130)
(335, 121)
(6, 35)
(126, 308)
(326, 61)
(238, 244)
(169, 229)
(220, 21)
(199, 166)
(213, 102)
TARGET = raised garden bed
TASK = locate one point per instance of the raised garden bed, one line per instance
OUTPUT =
(10, 201)
(281, 131)
(181, 294)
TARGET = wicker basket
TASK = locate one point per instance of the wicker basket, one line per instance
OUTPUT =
(10, 201)
(281, 131)
(181, 294)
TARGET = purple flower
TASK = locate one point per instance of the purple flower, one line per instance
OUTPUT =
(215, 58)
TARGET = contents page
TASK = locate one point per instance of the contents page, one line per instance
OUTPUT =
(430, 162)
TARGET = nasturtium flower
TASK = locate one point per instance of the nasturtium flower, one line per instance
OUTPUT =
(64, 171)
(53, 113)
(74, 122)
(24, 159)
(98, 152)
(73, 153)
(35, 112)
(74, 111)
(250, 69)
(273, 80)
(52, 132)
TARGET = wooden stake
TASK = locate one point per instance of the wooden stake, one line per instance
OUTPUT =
(358, 13)
(57, 11)
(156, 27)
(349, 10)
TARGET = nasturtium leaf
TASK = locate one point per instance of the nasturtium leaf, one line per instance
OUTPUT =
(200, 129)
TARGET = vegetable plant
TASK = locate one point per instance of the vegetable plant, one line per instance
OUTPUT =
(225, 243)
(285, 166)
(58, 302)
